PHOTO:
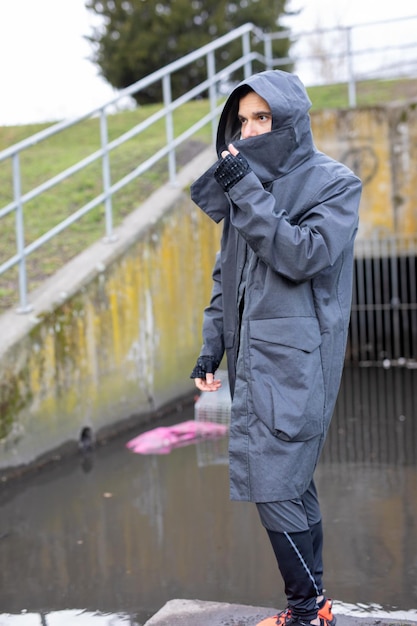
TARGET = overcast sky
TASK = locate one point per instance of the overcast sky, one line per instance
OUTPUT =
(45, 74)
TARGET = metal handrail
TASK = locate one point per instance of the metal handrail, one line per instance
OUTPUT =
(246, 33)
(164, 74)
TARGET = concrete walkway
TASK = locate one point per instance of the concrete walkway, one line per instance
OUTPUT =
(199, 613)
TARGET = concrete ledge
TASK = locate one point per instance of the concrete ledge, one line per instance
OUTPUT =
(200, 613)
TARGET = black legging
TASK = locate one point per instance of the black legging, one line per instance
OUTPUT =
(295, 530)
(299, 560)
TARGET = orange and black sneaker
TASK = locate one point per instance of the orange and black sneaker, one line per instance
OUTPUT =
(325, 612)
(285, 618)
(281, 619)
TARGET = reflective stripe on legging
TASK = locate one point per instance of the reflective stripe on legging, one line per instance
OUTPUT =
(304, 564)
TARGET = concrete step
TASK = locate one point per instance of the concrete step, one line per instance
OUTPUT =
(202, 613)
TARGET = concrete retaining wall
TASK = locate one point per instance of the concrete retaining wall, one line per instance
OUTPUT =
(115, 333)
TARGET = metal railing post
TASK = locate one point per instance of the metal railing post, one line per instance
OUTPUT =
(169, 128)
(268, 51)
(105, 165)
(351, 72)
(246, 52)
(24, 307)
(211, 70)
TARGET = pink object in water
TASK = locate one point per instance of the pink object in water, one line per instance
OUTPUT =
(163, 439)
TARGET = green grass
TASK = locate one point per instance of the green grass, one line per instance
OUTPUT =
(48, 158)
(368, 93)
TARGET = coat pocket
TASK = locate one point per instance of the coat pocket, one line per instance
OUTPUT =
(287, 388)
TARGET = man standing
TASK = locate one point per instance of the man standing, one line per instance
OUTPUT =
(280, 309)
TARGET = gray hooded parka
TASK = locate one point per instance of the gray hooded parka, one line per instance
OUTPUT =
(287, 253)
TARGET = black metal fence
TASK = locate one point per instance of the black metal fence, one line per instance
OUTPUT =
(383, 327)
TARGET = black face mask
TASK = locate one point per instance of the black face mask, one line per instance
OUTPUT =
(268, 154)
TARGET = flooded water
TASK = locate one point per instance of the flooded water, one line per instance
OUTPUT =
(111, 539)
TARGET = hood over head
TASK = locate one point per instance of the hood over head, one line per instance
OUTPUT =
(270, 155)
(289, 142)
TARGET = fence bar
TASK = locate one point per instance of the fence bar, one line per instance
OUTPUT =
(246, 54)
(211, 71)
(105, 164)
(351, 71)
(24, 307)
(169, 128)
(268, 52)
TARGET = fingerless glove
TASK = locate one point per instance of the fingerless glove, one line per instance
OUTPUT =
(205, 365)
(231, 170)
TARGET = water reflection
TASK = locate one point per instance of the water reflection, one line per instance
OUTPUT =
(136, 531)
(66, 618)
(376, 417)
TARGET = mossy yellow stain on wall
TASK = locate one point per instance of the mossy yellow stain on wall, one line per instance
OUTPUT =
(360, 139)
(120, 343)
(175, 289)
(403, 140)
(115, 320)
(378, 144)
